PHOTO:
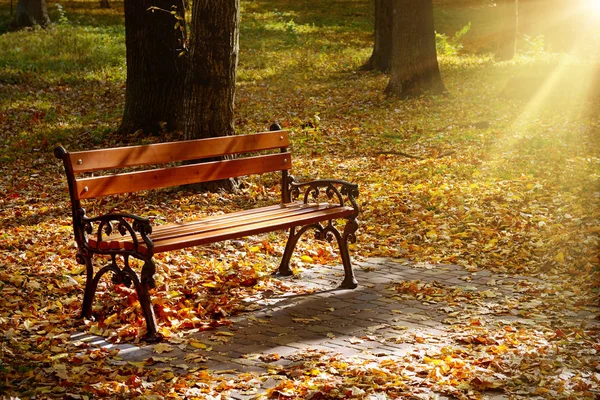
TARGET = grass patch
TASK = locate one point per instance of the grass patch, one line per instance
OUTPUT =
(64, 53)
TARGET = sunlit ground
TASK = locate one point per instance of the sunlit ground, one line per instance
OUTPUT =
(504, 177)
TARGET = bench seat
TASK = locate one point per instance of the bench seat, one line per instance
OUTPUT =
(233, 225)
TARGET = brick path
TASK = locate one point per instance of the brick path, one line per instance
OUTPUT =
(334, 319)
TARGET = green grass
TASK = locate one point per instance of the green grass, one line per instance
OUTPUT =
(64, 53)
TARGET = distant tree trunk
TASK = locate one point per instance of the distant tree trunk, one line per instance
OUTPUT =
(30, 13)
(153, 95)
(210, 78)
(382, 49)
(509, 16)
(414, 68)
(104, 3)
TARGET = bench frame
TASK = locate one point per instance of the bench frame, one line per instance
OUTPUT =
(91, 233)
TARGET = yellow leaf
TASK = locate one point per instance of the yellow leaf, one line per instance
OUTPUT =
(162, 348)
(433, 361)
(560, 257)
(399, 327)
(111, 319)
(306, 258)
(59, 356)
(166, 332)
(167, 376)
(254, 249)
(197, 345)
(95, 330)
(139, 364)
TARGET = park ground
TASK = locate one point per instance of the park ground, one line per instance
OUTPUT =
(479, 235)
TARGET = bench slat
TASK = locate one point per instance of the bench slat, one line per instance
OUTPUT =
(230, 226)
(209, 224)
(251, 229)
(129, 182)
(161, 153)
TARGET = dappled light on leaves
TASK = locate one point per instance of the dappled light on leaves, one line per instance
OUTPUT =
(493, 178)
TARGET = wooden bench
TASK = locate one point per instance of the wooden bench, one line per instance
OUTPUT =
(319, 205)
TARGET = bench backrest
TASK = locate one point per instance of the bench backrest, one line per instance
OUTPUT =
(157, 155)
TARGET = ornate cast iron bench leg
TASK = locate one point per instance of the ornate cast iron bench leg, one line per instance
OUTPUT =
(284, 267)
(127, 276)
(90, 288)
(142, 287)
(324, 233)
(346, 194)
(350, 229)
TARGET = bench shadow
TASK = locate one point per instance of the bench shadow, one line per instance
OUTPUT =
(328, 319)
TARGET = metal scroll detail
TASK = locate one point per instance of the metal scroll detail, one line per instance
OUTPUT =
(332, 188)
(341, 191)
(126, 224)
(137, 230)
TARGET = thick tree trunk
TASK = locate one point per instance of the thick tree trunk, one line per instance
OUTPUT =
(211, 74)
(210, 78)
(154, 69)
(30, 13)
(415, 68)
(382, 49)
(507, 43)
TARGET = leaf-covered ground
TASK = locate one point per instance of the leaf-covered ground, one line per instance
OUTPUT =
(503, 174)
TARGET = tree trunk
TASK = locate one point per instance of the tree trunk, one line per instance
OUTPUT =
(153, 95)
(210, 78)
(211, 74)
(104, 3)
(509, 17)
(414, 70)
(382, 49)
(30, 13)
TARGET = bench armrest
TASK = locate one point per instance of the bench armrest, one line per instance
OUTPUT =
(339, 189)
(138, 228)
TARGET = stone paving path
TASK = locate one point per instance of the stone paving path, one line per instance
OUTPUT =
(333, 320)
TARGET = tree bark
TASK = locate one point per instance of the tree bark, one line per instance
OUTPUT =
(104, 3)
(153, 95)
(30, 13)
(211, 74)
(414, 70)
(509, 17)
(382, 49)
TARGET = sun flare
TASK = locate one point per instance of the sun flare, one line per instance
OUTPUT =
(594, 6)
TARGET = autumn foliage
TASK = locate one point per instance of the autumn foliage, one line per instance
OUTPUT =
(484, 178)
